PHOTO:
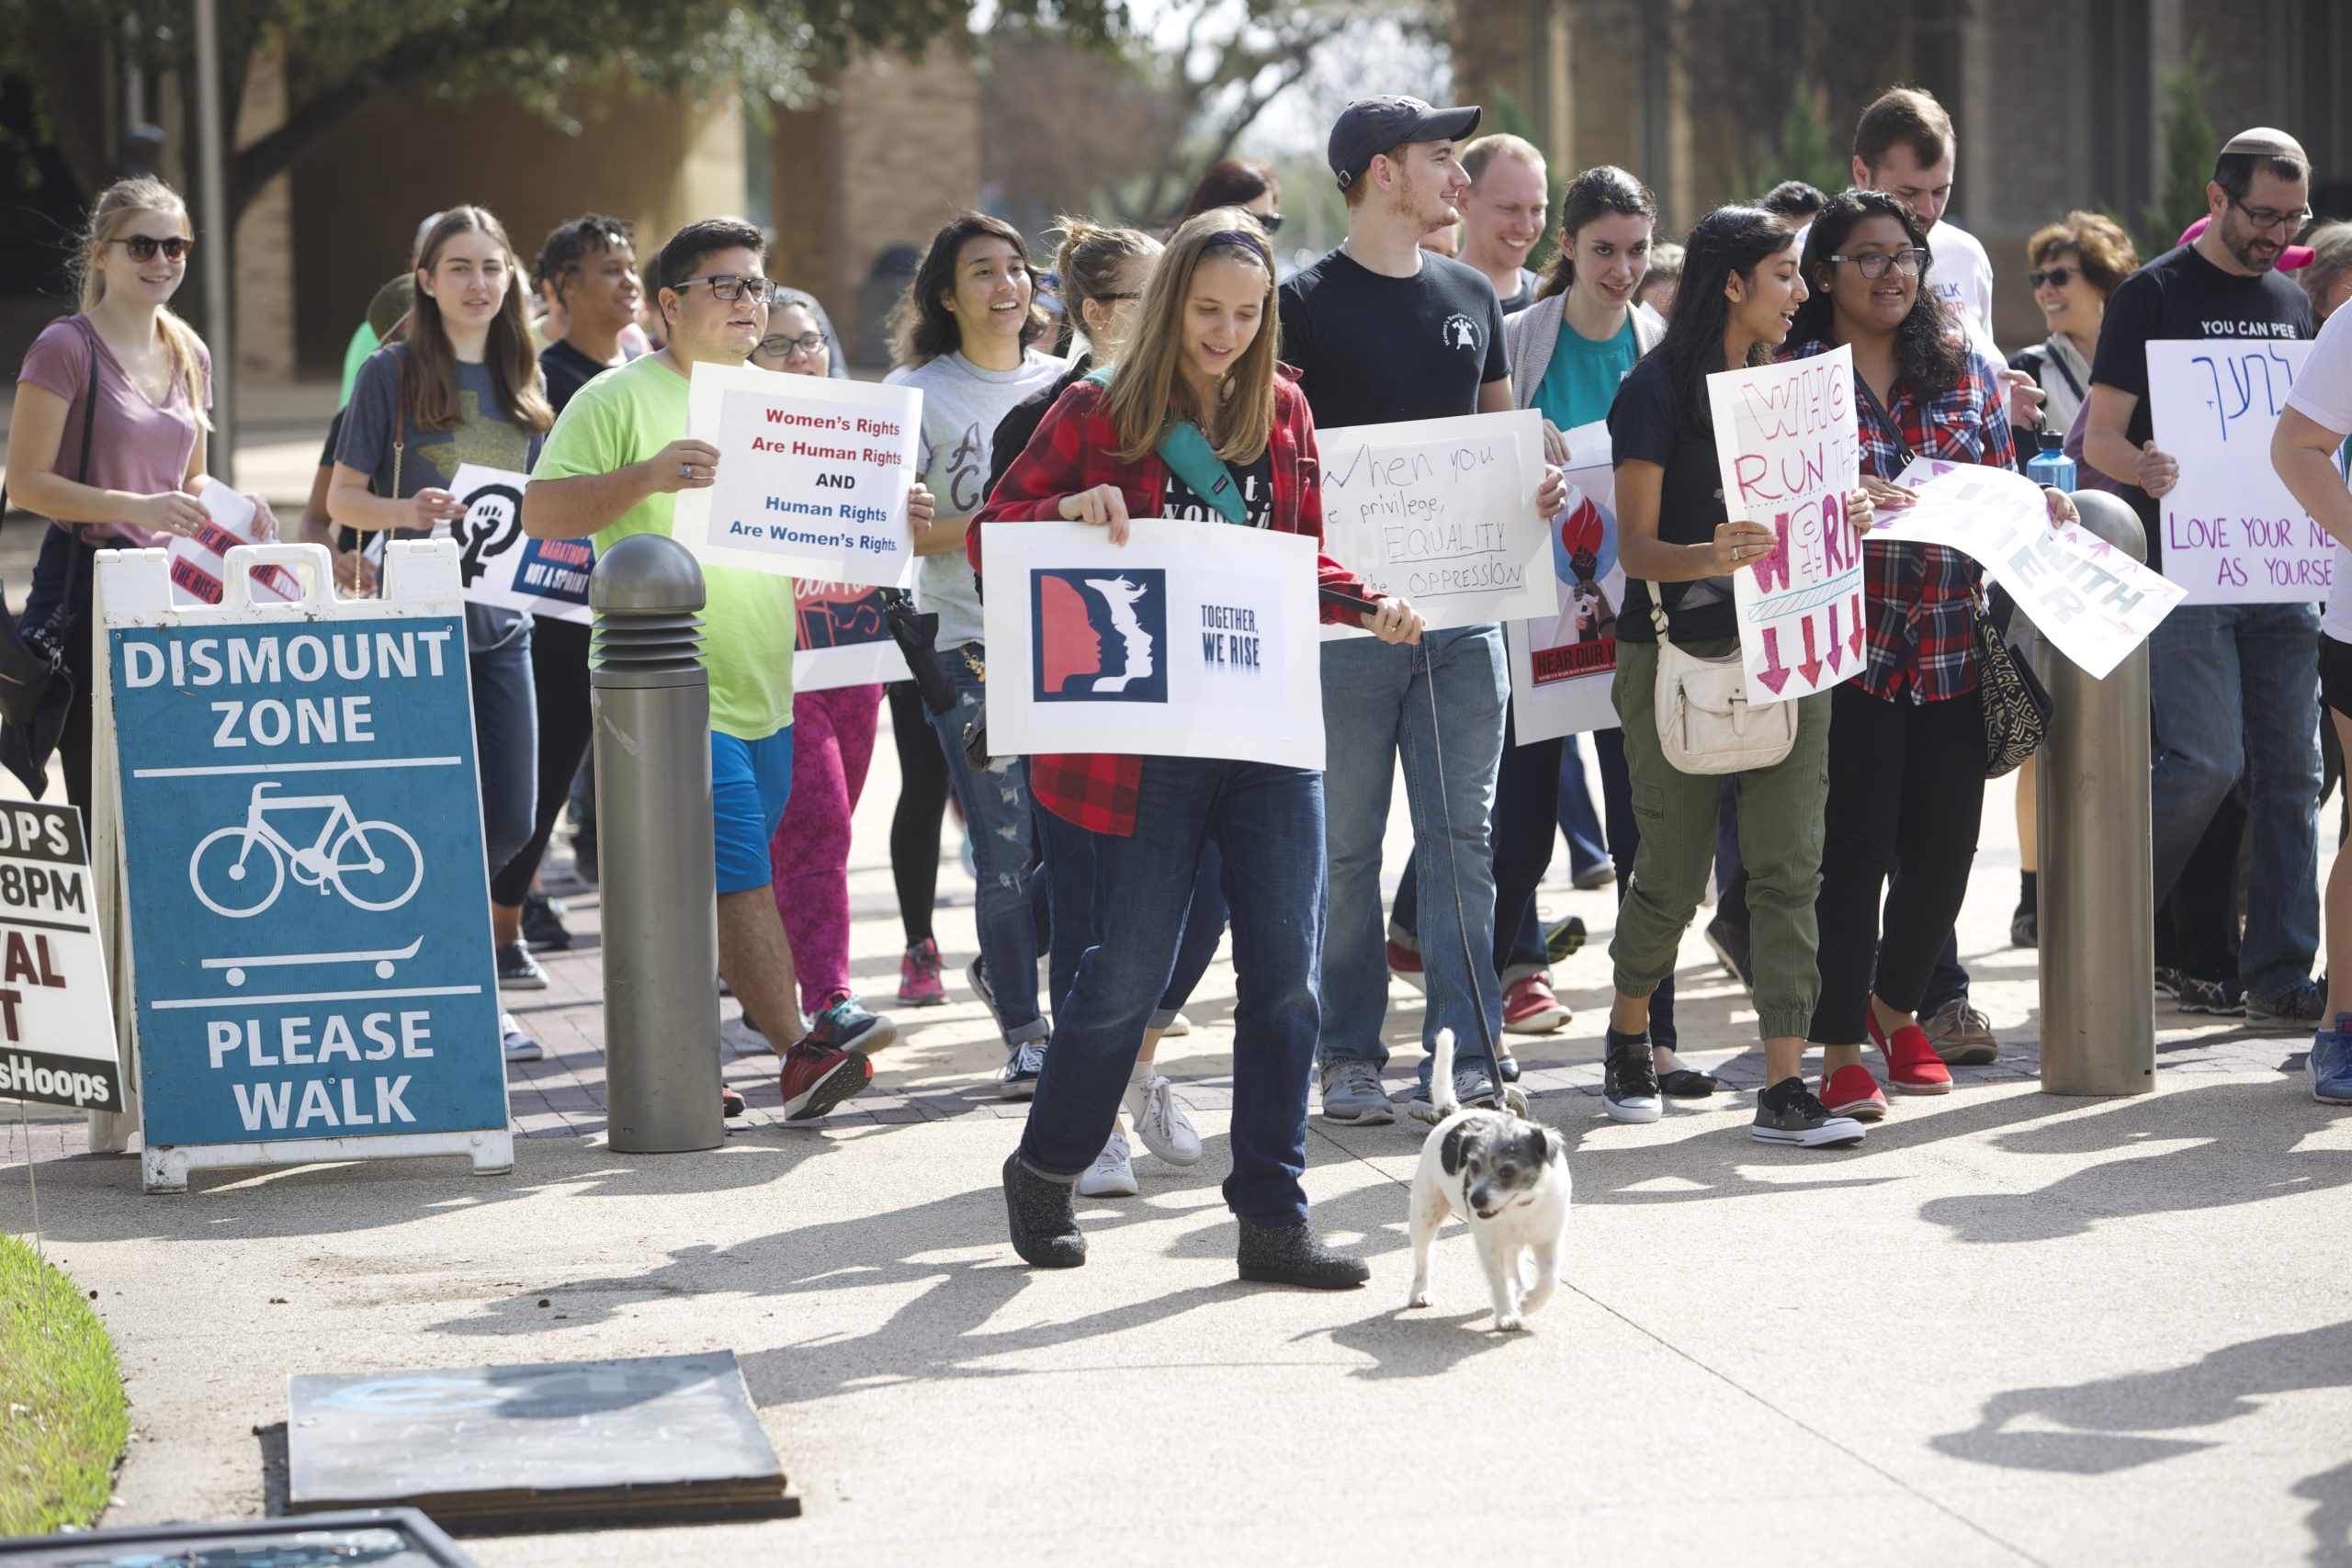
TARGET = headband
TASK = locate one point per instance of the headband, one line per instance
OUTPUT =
(1253, 242)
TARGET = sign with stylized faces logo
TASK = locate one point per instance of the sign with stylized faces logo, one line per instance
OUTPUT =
(499, 564)
(1193, 639)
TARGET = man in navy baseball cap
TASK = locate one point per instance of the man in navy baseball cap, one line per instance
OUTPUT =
(1371, 126)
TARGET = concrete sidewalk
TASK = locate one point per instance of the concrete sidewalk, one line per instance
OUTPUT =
(2009, 1327)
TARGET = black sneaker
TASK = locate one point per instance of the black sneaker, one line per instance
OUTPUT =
(2222, 998)
(1788, 1113)
(1564, 938)
(2167, 981)
(1629, 1079)
(2301, 1005)
(2025, 929)
(518, 970)
(543, 928)
(1729, 939)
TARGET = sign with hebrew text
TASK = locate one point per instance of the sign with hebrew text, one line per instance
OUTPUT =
(2232, 535)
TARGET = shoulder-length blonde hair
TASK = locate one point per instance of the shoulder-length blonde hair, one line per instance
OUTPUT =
(433, 402)
(117, 205)
(1149, 384)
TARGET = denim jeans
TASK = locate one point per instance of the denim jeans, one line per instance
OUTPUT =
(2235, 687)
(1526, 804)
(1076, 901)
(1268, 822)
(506, 728)
(1442, 699)
(1008, 908)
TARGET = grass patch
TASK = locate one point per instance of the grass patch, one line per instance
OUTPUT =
(63, 1419)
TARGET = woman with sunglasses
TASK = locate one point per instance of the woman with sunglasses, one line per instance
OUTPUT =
(109, 436)
(1907, 744)
(1202, 352)
(1236, 182)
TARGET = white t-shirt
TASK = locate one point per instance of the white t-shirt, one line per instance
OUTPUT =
(2322, 394)
(1962, 277)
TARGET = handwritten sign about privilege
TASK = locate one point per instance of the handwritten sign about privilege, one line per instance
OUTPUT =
(1562, 665)
(813, 474)
(1442, 512)
(1786, 438)
(199, 562)
(2232, 535)
(498, 564)
(2094, 602)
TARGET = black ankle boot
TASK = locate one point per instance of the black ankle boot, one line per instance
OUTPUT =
(1295, 1255)
(1043, 1213)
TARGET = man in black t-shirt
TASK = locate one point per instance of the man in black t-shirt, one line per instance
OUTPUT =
(587, 273)
(2229, 683)
(1383, 331)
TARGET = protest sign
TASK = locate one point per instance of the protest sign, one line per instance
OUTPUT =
(1790, 456)
(1442, 512)
(1562, 664)
(56, 1015)
(498, 564)
(2091, 601)
(1193, 639)
(813, 474)
(842, 638)
(2233, 534)
(294, 800)
(199, 561)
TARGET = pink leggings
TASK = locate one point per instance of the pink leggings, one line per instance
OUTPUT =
(833, 742)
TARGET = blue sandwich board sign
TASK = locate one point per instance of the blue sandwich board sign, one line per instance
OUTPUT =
(310, 957)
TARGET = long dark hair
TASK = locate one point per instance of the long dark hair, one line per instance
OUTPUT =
(433, 399)
(1235, 182)
(1929, 351)
(922, 327)
(1728, 239)
(1596, 192)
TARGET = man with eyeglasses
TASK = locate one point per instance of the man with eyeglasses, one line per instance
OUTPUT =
(614, 465)
(2231, 683)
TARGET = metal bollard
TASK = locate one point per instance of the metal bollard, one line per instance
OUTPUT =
(651, 700)
(2098, 885)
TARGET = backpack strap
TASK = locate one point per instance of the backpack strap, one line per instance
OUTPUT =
(1190, 458)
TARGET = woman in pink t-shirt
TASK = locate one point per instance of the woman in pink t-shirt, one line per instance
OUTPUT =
(141, 373)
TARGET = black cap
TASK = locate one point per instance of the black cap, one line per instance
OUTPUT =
(1370, 127)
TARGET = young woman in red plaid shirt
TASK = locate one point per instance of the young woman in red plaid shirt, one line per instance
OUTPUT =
(1203, 352)
(1906, 743)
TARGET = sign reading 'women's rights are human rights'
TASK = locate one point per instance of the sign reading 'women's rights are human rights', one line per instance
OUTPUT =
(813, 474)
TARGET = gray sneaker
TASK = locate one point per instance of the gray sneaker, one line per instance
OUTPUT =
(1352, 1096)
(2303, 1005)
(1472, 1088)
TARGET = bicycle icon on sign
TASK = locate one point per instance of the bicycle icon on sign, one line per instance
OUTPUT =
(362, 861)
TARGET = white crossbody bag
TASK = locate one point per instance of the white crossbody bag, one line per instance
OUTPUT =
(1705, 723)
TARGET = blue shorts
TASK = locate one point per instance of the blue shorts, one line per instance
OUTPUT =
(750, 782)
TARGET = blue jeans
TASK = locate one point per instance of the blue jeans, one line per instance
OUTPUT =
(1076, 901)
(1268, 821)
(1008, 908)
(2236, 687)
(506, 728)
(1579, 824)
(1382, 701)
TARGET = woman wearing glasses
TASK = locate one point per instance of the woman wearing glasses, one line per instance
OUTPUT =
(109, 437)
(1236, 182)
(1906, 738)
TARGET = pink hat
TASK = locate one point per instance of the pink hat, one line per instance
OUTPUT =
(2290, 258)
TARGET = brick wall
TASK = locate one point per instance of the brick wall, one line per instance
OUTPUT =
(263, 285)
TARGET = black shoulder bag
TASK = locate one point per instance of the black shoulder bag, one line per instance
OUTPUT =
(36, 688)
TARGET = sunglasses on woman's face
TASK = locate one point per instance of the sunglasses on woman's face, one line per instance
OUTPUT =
(1272, 222)
(143, 247)
(2057, 277)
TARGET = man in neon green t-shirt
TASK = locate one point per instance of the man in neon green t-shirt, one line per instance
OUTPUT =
(613, 466)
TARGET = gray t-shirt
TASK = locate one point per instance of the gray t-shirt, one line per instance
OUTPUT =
(961, 406)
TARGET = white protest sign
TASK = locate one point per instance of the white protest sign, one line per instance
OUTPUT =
(499, 564)
(2233, 534)
(842, 638)
(56, 1009)
(2094, 602)
(813, 474)
(1193, 639)
(1791, 455)
(199, 562)
(1442, 512)
(1562, 665)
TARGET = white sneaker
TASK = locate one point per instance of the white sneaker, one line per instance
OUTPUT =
(1160, 1120)
(1178, 1026)
(518, 1046)
(1112, 1175)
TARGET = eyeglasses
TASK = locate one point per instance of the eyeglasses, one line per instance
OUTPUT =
(2264, 217)
(143, 247)
(1872, 264)
(726, 288)
(811, 344)
(2057, 277)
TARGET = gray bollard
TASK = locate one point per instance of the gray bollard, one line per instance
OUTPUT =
(652, 698)
(2098, 885)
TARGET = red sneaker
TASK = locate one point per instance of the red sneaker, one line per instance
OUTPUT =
(817, 1077)
(1530, 1007)
(1852, 1092)
(1405, 965)
(1912, 1065)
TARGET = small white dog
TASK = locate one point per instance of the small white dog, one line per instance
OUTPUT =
(1505, 1175)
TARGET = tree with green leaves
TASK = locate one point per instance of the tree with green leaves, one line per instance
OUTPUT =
(2190, 141)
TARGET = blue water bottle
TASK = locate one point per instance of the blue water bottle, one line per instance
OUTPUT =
(2051, 466)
